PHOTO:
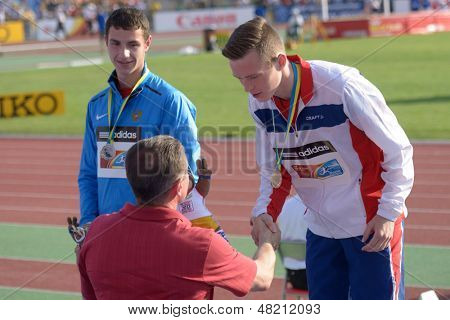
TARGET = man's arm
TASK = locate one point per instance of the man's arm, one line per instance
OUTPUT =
(265, 261)
(367, 110)
(226, 268)
(87, 291)
(87, 177)
(271, 200)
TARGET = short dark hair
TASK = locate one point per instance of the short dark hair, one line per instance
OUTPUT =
(128, 19)
(153, 165)
(254, 34)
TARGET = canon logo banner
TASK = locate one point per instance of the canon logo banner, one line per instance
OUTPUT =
(205, 21)
(192, 20)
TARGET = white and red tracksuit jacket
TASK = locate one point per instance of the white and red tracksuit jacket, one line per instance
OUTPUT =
(345, 154)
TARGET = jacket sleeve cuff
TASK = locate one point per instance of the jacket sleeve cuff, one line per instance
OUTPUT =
(391, 214)
(257, 213)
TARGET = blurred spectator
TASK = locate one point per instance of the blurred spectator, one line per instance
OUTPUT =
(90, 16)
(2, 14)
(60, 17)
(420, 5)
(261, 8)
(373, 6)
(294, 32)
(29, 22)
(101, 21)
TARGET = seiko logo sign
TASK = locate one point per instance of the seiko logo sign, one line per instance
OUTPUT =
(31, 104)
(308, 151)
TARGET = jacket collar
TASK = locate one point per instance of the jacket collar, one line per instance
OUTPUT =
(306, 85)
(113, 83)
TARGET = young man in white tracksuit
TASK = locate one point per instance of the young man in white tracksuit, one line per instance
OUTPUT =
(327, 131)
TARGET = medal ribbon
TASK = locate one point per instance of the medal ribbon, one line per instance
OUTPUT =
(111, 131)
(295, 96)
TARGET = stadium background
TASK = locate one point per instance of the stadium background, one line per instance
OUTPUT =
(40, 154)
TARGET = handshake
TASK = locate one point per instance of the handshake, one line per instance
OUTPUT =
(265, 230)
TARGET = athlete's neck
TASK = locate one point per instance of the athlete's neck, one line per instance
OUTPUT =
(128, 80)
(287, 82)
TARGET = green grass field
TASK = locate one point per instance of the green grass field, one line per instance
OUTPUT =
(412, 71)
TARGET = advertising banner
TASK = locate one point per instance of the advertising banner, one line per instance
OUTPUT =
(12, 32)
(194, 20)
(387, 26)
(414, 23)
(282, 12)
(47, 27)
(347, 28)
(46, 103)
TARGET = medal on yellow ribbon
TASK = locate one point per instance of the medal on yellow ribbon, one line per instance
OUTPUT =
(108, 152)
(276, 179)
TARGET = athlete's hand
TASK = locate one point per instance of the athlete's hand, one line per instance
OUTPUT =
(77, 233)
(382, 230)
(260, 224)
(204, 177)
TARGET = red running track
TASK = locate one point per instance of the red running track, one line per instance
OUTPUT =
(40, 176)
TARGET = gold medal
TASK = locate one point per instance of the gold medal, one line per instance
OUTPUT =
(275, 179)
(108, 152)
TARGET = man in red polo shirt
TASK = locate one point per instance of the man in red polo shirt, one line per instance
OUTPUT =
(151, 251)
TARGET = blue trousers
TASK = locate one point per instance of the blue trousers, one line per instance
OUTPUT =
(337, 269)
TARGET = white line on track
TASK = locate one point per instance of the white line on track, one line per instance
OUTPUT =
(33, 209)
(427, 227)
(31, 225)
(72, 293)
(430, 196)
(431, 183)
(209, 203)
(46, 195)
(39, 195)
(67, 163)
(428, 210)
(33, 182)
(25, 171)
(433, 171)
(26, 259)
(48, 45)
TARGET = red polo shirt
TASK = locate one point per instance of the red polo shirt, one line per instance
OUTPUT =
(155, 253)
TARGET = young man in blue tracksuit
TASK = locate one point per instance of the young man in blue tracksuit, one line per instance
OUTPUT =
(137, 105)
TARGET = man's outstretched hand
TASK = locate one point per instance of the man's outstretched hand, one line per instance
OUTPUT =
(260, 225)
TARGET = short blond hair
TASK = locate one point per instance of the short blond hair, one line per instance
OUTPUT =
(254, 34)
